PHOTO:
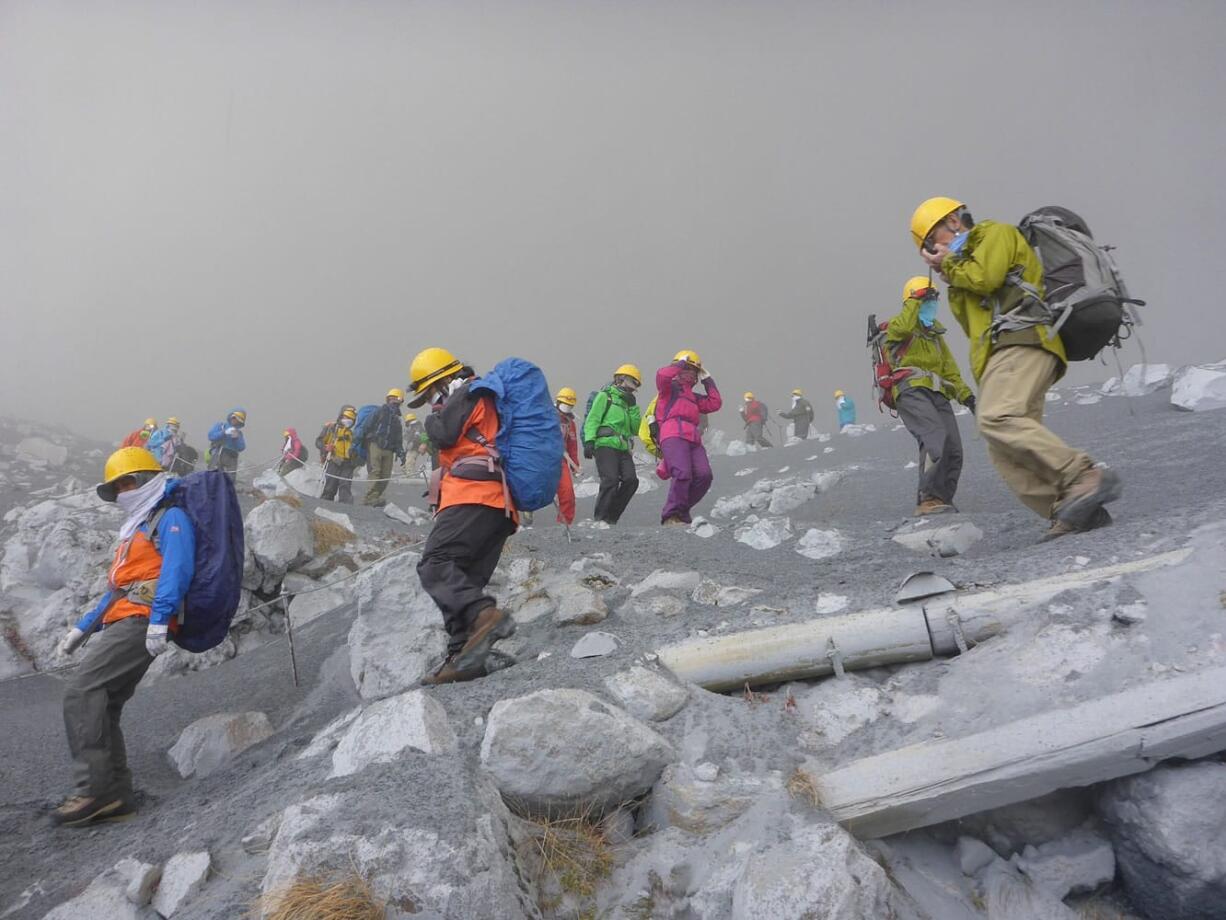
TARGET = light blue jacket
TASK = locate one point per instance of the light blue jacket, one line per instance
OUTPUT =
(847, 411)
(220, 440)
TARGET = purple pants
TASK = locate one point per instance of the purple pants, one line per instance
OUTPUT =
(690, 473)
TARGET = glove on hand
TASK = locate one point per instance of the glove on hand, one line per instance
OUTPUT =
(704, 376)
(71, 642)
(970, 404)
(156, 638)
(589, 449)
(231, 432)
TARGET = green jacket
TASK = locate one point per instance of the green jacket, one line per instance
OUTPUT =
(928, 352)
(613, 422)
(976, 277)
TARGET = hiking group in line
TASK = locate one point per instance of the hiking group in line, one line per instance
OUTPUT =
(502, 445)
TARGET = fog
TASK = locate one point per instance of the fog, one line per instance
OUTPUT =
(275, 205)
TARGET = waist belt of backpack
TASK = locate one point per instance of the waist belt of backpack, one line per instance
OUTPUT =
(490, 464)
(939, 383)
(1018, 325)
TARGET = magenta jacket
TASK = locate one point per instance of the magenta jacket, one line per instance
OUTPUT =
(679, 408)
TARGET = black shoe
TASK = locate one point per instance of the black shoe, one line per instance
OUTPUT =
(79, 810)
(1099, 485)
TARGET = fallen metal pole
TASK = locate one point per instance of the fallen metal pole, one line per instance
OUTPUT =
(942, 625)
(289, 632)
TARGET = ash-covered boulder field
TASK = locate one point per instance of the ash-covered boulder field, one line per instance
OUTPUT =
(744, 718)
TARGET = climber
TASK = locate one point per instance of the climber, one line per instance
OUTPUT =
(754, 414)
(226, 442)
(679, 411)
(995, 293)
(845, 408)
(609, 430)
(140, 437)
(147, 582)
(384, 446)
(293, 452)
(336, 451)
(474, 519)
(165, 442)
(916, 345)
(565, 402)
(800, 414)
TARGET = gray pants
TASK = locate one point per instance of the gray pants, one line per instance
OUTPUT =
(338, 475)
(755, 434)
(114, 662)
(930, 419)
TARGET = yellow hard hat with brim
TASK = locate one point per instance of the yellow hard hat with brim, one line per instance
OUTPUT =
(929, 214)
(395, 393)
(429, 367)
(915, 285)
(567, 396)
(631, 371)
(125, 462)
(689, 356)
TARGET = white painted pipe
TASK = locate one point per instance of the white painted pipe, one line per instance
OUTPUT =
(941, 625)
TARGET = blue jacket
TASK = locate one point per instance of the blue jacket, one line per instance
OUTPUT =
(847, 411)
(176, 541)
(219, 439)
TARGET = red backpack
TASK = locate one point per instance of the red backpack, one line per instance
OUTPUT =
(886, 360)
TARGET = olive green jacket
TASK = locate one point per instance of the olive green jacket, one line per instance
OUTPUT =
(976, 277)
(928, 353)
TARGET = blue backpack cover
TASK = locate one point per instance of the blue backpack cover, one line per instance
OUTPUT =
(211, 504)
(529, 437)
(361, 430)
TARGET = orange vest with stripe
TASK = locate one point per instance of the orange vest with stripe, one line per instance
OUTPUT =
(136, 560)
(455, 491)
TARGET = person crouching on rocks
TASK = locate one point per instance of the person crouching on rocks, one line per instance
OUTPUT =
(474, 517)
(147, 581)
(679, 411)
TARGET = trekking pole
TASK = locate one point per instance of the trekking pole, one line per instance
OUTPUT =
(289, 632)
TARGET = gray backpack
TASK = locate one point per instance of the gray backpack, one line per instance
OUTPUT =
(1086, 298)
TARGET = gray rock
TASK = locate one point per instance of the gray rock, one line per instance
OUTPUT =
(561, 748)
(786, 499)
(594, 644)
(1077, 864)
(142, 878)
(713, 594)
(578, 605)
(336, 517)
(659, 605)
(763, 533)
(973, 854)
(661, 580)
(1011, 896)
(532, 607)
(182, 877)
(1143, 379)
(1169, 830)
(943, 540)
(685, 800)
(647, 694)
(279, 537)
(209, 743)
(1010, 829)
(105, 899)
(412, 720)
(1200, 387)
(259, 839)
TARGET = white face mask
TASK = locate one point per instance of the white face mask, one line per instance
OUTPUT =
(346, 423)
(565, 409)
(138, 503)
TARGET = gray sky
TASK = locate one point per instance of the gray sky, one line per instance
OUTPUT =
(277, 204)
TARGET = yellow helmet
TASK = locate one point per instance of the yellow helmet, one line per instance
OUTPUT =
(631, 371)
(285, 433)
(173, 421)
(918, 283)
(240, 415)
(928, 215)
(125, 462)
(347, 412)
(396, 392)
(688, 356)
(567, 396)
(429, 367)
(151, 423)
(838, 393)
(410, 416)
(748, 397)
(798, 392)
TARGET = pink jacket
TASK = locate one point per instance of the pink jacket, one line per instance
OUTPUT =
(679, 408)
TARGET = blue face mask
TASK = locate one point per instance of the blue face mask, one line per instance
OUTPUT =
(958, 241)
(928, 311)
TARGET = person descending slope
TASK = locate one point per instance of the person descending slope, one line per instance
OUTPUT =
(336, 450)
(995, 290)
(226, 442)
(384, 446)
(475, 515)
(565, 402)
(418, 442)
(800, 414)
(293, 452)
(165, 442)
(147, 582)
(845, 409)
(678, 414)
(915, 343)
(140, 437)
(608, 437)
(754, 414)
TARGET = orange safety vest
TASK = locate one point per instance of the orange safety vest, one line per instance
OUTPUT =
(455, 491)
(137, 560)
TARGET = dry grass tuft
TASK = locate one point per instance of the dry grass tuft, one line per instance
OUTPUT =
(292, 500)
(350, 898)
(753, 697)
(801, 785)
(573, 849)
(329, 535)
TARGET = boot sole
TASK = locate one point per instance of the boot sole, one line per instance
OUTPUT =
(99, 815)
(1080, 513)
(472, 656)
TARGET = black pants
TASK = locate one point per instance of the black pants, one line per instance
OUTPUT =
(754, 434)
(459, 558)
(618, 483)
(338, 476)
(930, 419)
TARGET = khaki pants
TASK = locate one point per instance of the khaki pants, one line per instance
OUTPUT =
(1032, 461)
(380, 471)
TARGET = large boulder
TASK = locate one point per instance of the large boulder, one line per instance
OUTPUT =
(410, 721)
(41, 452)
(1200, 387)
(647, 694)
(398, 633)
(560, 749)
(1169, 830)
(1143, 379)
(763, 533)
(182, 877)
(279, 537)
(209, 743)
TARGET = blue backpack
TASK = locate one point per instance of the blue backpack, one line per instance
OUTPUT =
(529, 438)
(211, 504)
(361, 430)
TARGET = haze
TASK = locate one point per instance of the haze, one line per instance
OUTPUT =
(276, 205)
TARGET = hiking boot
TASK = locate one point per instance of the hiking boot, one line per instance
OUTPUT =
(125, 812)
(933, 506)
(1097, 486)
(448, 673)
(79, 810)
(1058, 529)
(672, 522)
(1100, 518)
(492, 624)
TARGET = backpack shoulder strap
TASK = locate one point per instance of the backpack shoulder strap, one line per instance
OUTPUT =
(155, 522)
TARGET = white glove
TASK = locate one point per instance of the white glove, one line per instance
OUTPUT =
(454, 385)
(231, 432)
(71, 642)
(155, 639)
(703, 375)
